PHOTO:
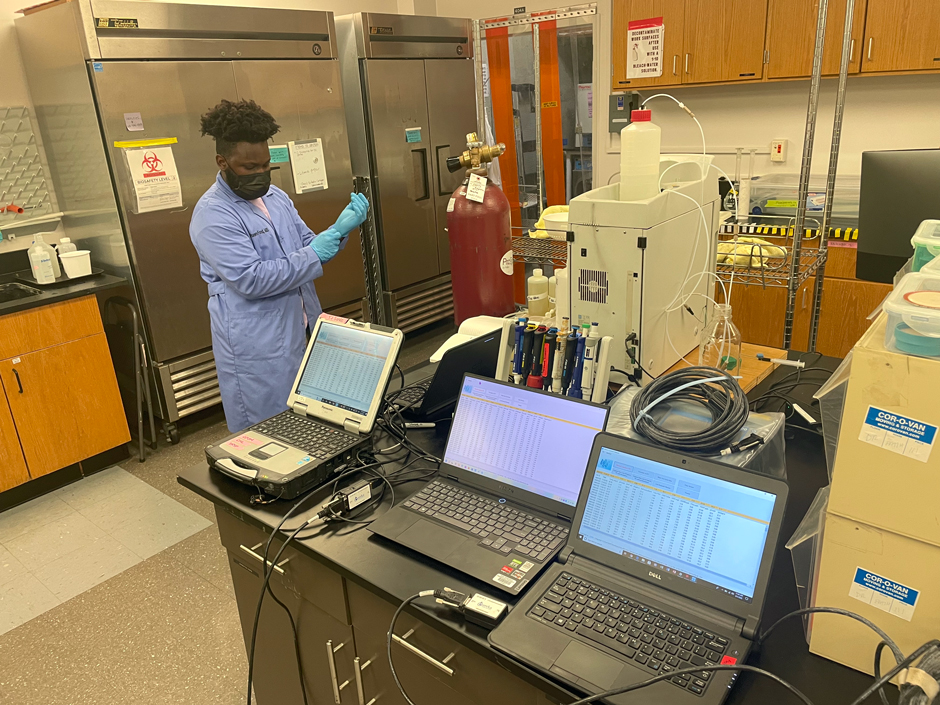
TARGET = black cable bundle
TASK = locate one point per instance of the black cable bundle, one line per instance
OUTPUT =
(722, 397)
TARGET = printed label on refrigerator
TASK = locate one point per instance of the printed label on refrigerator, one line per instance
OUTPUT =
(412, 135)
(645, 48)
(155, 179)
(884, 594)
(897, 433)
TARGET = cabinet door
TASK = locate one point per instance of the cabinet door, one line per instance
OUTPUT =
(326, 645)
(760, 313)
(673, 14)
(791, 37)
(12, 465)
(843, 318)
(65, 403)
(724, 40)
(902, 35)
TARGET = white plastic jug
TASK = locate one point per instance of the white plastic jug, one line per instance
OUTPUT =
(538, 293)
(56, 269)
(639, 157)
(41, 264)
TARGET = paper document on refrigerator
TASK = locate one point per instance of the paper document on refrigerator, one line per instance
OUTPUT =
(155, 179)
(308, 166)
(645, 48)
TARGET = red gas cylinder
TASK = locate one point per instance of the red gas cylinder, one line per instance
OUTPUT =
(480, 253)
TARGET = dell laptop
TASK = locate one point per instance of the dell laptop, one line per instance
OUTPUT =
(331, 410)
(666, 568)
(432, 397)
(507, 489)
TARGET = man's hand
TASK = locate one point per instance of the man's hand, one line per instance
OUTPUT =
(327, 243)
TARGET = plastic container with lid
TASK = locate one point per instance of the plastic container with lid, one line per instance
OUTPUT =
(913, 310)
(538, 293)
(639, 157)
(777, 194)
(926, 242)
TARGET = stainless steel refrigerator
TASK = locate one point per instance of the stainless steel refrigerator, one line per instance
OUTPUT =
(410, 102)
(106, 74)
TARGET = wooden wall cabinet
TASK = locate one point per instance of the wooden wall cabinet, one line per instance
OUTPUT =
(791, 37)
(724, 40)
(673, 14)
(902, 35)
(61, 398)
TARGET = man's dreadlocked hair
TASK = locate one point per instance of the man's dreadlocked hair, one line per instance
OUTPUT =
(244, 121)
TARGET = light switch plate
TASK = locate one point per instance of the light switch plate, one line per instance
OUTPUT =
(778, 150)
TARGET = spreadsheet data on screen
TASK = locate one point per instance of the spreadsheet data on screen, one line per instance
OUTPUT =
(537, 442)
(344, 367)
(697, 527)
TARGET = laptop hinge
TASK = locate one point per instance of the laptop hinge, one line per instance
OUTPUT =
(351, 425)
(299, 408)
(749, 629)
(565, 554)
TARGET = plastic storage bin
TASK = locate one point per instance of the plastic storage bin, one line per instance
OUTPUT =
(913, 310)
(776, 194)
(805, 545)
(926, 242)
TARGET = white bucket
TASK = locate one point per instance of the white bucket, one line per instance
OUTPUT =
(76, 264)
(557, 225)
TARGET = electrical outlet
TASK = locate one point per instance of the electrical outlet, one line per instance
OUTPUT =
(778, 150)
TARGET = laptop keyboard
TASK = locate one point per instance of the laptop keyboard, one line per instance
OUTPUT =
(650, 638)
(317, 439)
(413, 394)
(500, 528)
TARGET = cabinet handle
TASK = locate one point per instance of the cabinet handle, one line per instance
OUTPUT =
(18, 382)
(440, 665)
(852, 51)
(360, 667)
(675, 59)
(686, 63)
(330, 650)
(252, 552)
(870, 40)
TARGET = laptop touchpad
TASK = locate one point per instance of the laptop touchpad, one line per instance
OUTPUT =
(589, 664)
(431, 539)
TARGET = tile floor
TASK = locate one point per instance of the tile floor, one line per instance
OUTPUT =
(131, 605)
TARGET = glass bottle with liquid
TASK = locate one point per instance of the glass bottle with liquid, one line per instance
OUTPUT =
(721, 342)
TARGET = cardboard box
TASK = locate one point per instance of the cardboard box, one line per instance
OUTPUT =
(890, 579)
(887, 469)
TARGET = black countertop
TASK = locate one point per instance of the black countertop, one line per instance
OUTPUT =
(55, 294)
(395, 573)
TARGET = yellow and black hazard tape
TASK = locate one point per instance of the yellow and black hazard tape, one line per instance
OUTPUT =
(846, 234)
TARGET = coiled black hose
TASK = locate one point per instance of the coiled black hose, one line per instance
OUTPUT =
(721, 395)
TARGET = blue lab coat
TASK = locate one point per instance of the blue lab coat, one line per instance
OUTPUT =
(260, 274)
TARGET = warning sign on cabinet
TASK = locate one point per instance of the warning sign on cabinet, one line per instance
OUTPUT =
(645, 48)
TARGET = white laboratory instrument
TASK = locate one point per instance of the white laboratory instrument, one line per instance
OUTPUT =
(634, 265)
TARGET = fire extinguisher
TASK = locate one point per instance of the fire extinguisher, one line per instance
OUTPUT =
(479, 229)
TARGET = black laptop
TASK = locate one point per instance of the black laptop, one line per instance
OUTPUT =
(433, 397)
(507, 489)
(666, 568)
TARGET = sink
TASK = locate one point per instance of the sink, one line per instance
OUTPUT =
(14, 292)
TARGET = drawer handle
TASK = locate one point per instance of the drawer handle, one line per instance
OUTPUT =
(18, 382)
(360, 667)
(852, 51)
(675, 58)
(686, 63)
(330, 650)
(440, 665)
(252, 552)
(870, 41)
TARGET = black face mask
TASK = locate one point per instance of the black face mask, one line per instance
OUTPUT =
(248, 186)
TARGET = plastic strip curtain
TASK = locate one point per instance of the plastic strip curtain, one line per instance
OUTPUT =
(553, 159)
(497, 54)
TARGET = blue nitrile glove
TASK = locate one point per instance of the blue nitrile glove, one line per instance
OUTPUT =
(326, 244)
(353, 215)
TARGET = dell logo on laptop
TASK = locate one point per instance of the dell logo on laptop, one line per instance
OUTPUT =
(655, 575)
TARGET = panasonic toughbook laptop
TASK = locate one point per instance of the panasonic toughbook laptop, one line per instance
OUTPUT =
(331, 410)
(507, 489)
(666, 568)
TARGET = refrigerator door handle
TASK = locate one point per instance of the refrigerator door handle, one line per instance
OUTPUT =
(437, 161)
(423, 152)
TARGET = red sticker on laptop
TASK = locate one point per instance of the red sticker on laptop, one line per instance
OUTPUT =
(728, 660)
(334, 319)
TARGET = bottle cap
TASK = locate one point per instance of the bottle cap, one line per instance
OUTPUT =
(536, 272)
(65, 239)
(641, 116)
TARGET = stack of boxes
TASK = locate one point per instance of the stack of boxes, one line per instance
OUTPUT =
(880, 552)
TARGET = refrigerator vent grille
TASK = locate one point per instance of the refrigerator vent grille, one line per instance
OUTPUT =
(592, 286)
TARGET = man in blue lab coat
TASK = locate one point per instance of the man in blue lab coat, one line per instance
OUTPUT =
(259, 259)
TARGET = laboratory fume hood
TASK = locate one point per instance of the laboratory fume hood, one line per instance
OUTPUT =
(112, 80)
(410, 103)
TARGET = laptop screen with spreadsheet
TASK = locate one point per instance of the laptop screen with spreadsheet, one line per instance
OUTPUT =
(344, 367)
(529, 439)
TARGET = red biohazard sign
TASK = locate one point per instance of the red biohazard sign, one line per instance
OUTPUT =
(152, 165)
